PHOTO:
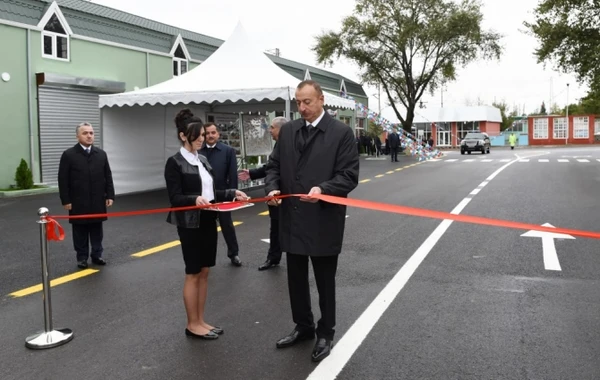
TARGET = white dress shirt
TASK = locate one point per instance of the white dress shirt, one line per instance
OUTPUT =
(205, 177)
(316, 122)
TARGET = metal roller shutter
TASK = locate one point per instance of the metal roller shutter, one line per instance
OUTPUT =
(60, 111)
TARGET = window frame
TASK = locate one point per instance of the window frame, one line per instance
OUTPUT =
(179, 61)
(580, 127)
(54, 54)
(536, 128)
(563, 128)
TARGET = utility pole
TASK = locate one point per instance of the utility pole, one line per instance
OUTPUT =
(567, 137)
(379, 96)
(442, 95)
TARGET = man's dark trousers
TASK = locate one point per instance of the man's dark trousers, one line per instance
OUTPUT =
(324, 268)
(226, 223)
(83, 235)
(394, 153)
(274, 246)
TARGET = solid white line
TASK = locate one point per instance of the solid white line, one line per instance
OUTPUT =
(483, 184)
(562, 160)
(331, 366)
(475, 192)
(582, 160)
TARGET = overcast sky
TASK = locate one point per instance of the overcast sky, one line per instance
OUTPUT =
(292, 26)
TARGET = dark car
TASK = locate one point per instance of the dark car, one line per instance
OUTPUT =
(475, 141)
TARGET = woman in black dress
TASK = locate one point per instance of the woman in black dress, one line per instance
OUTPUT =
(190, 182)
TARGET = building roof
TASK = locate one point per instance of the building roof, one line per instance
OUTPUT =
(458, 114)
(98, 21)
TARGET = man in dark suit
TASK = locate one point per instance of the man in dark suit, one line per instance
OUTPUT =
(394, 143)
(314, 155)
(224, 163)
(86, 186)
(274, 255)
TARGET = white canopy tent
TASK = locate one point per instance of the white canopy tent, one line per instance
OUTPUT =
(138, 128)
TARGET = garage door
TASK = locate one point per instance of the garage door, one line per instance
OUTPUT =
(60, 111)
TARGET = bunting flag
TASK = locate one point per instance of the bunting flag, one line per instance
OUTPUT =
(407, 140)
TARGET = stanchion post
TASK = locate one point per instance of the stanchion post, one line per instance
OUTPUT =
(48, 338)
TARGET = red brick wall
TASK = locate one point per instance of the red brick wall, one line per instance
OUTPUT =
(489, 127)
(552, 141)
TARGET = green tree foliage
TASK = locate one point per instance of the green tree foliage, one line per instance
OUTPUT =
(568, 32)
(410, 46)
(543, 109)
(23, 176)
(375, 129)
(506, 119)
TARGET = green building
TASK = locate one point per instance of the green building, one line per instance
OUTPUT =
(60, 55)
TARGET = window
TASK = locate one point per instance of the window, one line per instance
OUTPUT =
(540, 128)
(180, 63)
(361, 123)
(597, 127)
(581, 127)
(55, 40)
(560, 128)
(345, 119)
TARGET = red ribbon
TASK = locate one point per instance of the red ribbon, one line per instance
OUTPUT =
(368, 205)
(51, 227)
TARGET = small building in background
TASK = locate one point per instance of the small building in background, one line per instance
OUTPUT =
(554, 129)
(448, 125)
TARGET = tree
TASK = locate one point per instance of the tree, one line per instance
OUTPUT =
(375, 129)
(555, 109)
(543, 109)
(23, 176)
(506, 120)
(410, 46)
(568, 32)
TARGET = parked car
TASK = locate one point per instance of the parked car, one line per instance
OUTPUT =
(475, 141)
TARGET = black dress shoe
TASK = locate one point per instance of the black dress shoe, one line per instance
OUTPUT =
(294, 337)
(82, 264)
(235, 260)
(268, 264)
(322, 349)
(217, 330)
(98, 261)
(208, 336)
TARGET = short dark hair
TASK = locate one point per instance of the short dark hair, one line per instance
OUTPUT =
(184, 119)
(211, 124)
(312, 83)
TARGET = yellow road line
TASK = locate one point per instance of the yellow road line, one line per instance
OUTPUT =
(390, 172)
(265, 213)
(55, 282)
(399, 169)
(150, 251)
(364, 181)
(380, 175)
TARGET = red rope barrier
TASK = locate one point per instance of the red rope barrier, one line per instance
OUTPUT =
(368, 205)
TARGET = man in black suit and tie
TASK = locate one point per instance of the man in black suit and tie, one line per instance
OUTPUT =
(274, 255)
(224, 163)
(314, 155)
(394, 143)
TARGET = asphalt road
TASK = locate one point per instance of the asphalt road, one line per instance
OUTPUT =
(481, 304)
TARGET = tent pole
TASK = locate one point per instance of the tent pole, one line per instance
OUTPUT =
(287, 106)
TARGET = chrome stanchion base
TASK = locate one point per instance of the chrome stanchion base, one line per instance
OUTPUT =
(49, 339)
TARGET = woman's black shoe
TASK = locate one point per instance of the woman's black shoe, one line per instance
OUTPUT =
(217, 330)
(208, 336)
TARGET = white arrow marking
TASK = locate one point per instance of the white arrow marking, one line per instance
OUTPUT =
(268, 241)
(550, 257)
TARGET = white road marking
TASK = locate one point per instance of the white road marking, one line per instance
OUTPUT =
(505, 160)
(582, 160)
(543, 160)
(268, 241)
(475, 192)
(562, 160)
(483, 184)
(456, 159)
(598, 159)
(524, 160)
(548, 248)
(469, 160)
(342, 352)
(487, 160)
